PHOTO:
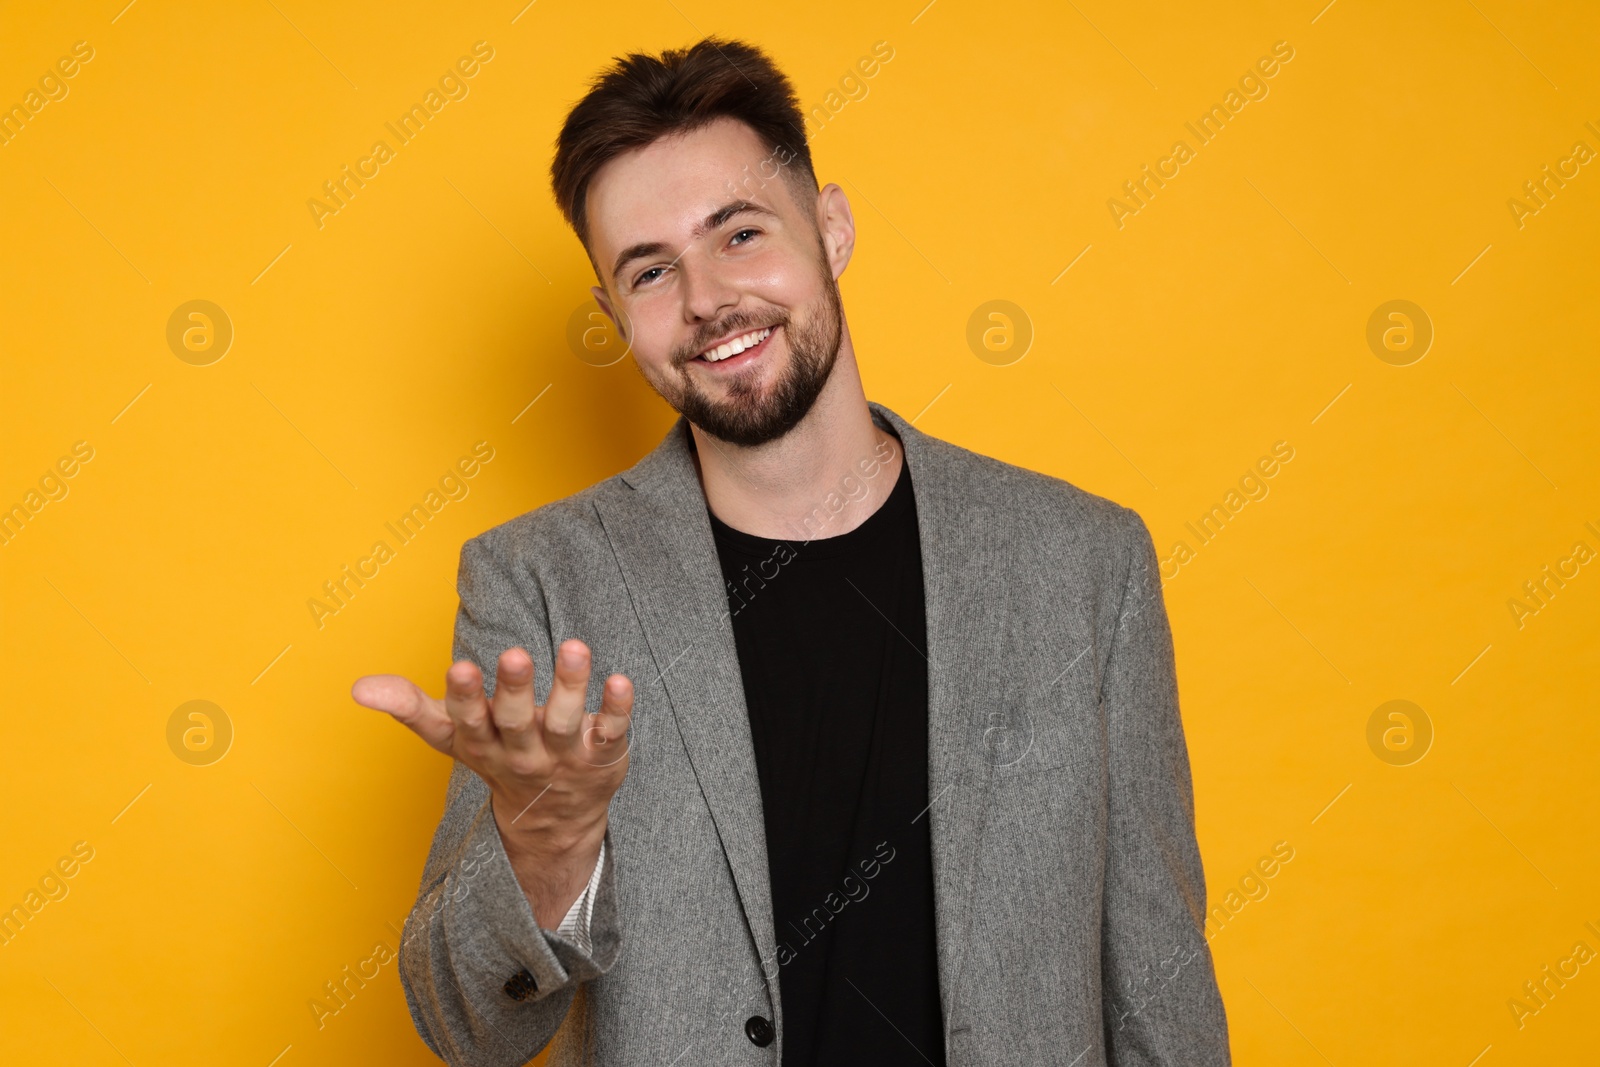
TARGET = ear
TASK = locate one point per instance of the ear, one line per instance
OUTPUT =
(836, 226)
(604, 300)
(618, 319)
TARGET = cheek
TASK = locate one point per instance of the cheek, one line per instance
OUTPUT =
(786, 277)
(657, 330)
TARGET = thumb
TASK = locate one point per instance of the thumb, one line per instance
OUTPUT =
(405, 701)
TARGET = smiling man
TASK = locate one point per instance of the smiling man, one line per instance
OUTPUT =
(788, 758)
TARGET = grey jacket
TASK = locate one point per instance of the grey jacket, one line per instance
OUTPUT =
(1069, 896)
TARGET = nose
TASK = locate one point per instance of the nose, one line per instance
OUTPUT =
(707, 291)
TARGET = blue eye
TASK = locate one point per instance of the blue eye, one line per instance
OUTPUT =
(744, 231)
(644, 279)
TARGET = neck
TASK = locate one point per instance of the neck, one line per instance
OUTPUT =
(790, 488)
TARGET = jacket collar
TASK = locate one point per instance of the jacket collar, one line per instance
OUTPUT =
(656, 518)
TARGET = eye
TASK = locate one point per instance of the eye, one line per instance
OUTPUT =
(645, 278)
(740, 233)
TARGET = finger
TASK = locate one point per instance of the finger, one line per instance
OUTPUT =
(512, 706)
(408, 704)
(605, 734)
(563, 710)
(466, 704)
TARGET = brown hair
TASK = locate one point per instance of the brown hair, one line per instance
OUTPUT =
(642, 98)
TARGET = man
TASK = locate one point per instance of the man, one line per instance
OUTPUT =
(886, 766)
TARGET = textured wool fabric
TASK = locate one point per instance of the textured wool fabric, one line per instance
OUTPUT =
(1061, 797)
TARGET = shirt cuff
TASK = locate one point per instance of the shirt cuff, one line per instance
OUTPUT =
(575, 926)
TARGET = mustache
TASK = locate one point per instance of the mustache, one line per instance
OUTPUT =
(733, 325)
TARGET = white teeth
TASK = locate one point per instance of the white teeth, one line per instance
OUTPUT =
(735, 346)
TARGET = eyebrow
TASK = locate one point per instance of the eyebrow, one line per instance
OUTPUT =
(710, 222)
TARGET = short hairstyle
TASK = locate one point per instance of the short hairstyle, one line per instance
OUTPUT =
(642, 98)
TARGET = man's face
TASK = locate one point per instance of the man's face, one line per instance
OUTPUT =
(700, 243)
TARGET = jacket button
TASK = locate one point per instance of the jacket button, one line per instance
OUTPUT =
(759, 1030)
(521, 986)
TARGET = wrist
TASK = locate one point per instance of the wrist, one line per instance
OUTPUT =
(545, 839)
(553, 865)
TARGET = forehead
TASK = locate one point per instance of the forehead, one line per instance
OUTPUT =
(660, 191)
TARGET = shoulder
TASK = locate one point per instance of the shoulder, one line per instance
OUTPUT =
(568, 534)
(567, 529)
(1022, 507)
(1039, 542)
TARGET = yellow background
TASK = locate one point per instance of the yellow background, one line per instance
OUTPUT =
(427, 315)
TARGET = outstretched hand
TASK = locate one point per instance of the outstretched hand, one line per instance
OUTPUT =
(551, 769)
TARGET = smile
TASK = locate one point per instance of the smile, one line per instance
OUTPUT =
(736, 346)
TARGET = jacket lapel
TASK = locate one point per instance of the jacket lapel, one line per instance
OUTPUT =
(655, 515)
(959, 763)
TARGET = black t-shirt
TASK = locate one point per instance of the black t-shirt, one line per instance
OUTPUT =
(831, 637)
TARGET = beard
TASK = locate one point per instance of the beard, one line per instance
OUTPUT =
(747, 415)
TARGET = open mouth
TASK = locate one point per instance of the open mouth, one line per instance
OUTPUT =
(739, 351)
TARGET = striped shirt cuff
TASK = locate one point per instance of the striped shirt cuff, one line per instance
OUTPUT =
(575, 927)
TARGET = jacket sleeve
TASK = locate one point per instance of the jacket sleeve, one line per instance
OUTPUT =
(486, 985)
(1161, 1004)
